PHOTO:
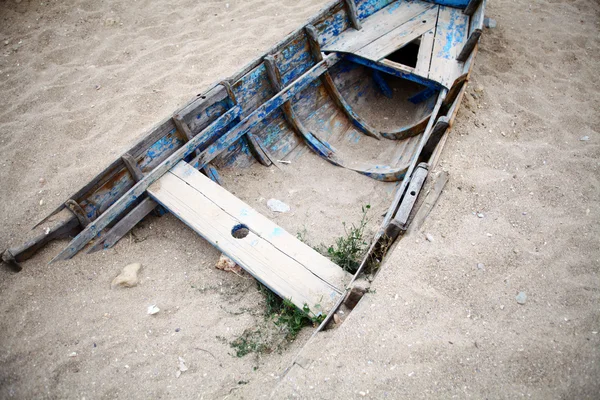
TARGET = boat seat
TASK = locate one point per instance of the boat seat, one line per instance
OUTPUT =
(440, 33)
(290, 268)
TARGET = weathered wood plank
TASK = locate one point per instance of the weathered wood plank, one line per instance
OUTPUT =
(424, 55)
(377, 25)
(430, 200)
(125, 225)
(280, 261)
(451, 34)
(400, 36)
(472, 6)
(475, 30)
(133, 167)
(352, 15)
(395, 69)
(138, 190)
(416, 183)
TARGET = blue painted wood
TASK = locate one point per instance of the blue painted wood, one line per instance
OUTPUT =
(393, 71)
(382, 84)
(423, 95)
(123, 203)
(451, 3)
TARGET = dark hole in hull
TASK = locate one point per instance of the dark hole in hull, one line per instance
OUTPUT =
(407, 55)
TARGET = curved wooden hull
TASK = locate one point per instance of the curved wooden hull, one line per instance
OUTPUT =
(357, 107)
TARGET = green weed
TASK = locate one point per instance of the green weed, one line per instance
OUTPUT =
(348, 250)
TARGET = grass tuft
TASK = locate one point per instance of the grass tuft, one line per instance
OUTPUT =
(348, 250)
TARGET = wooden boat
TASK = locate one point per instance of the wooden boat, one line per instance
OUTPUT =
(392, 72)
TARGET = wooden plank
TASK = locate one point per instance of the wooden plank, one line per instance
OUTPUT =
(287, 266)
(377, 25)
(400, 36)
(469, 45)
(408, 202)
(125, 225)
(58, 226)
(424, 55)
(430, 200)
(475, 31)
(450, 36)
(477, 17)
(138, 190)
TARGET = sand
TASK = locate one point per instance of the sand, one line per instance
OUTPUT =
(81, 81)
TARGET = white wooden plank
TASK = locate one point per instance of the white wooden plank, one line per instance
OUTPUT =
(378, 25)
(400, 36)
(450, 36)
(269, 253)
(424, 56)
(315, 262)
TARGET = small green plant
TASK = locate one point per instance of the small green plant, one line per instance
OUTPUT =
(348, 250)
(251, 341)
(286, 315)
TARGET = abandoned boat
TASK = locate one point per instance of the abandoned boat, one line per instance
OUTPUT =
(391, 72)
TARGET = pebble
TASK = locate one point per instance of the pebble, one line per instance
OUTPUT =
(480, 266)
(73, 354)
(177, 329)
(153, 309)
(228, 265)
(128, 276)
(584, 138)
(429, 237)
(502, 307)
(480, 215)
(521, 298)
(41, 202)
(182, 367)
(524, 213)
(277, 206)
(42, 181)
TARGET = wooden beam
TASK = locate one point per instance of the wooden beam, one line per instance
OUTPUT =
(472, 6)
(94, 228)
(125, 225)
(133, 167)
(469, 45)
(78, 212)
(400, 192)
(352, 14)
(430, 200)
(59, 226)
(408, 202)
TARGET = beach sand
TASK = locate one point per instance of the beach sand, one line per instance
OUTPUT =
(81, 81)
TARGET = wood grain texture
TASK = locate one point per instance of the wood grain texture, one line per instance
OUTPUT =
(379, 24)
(125, 225)
(451, 34)
(287, 266)
(400, 36)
